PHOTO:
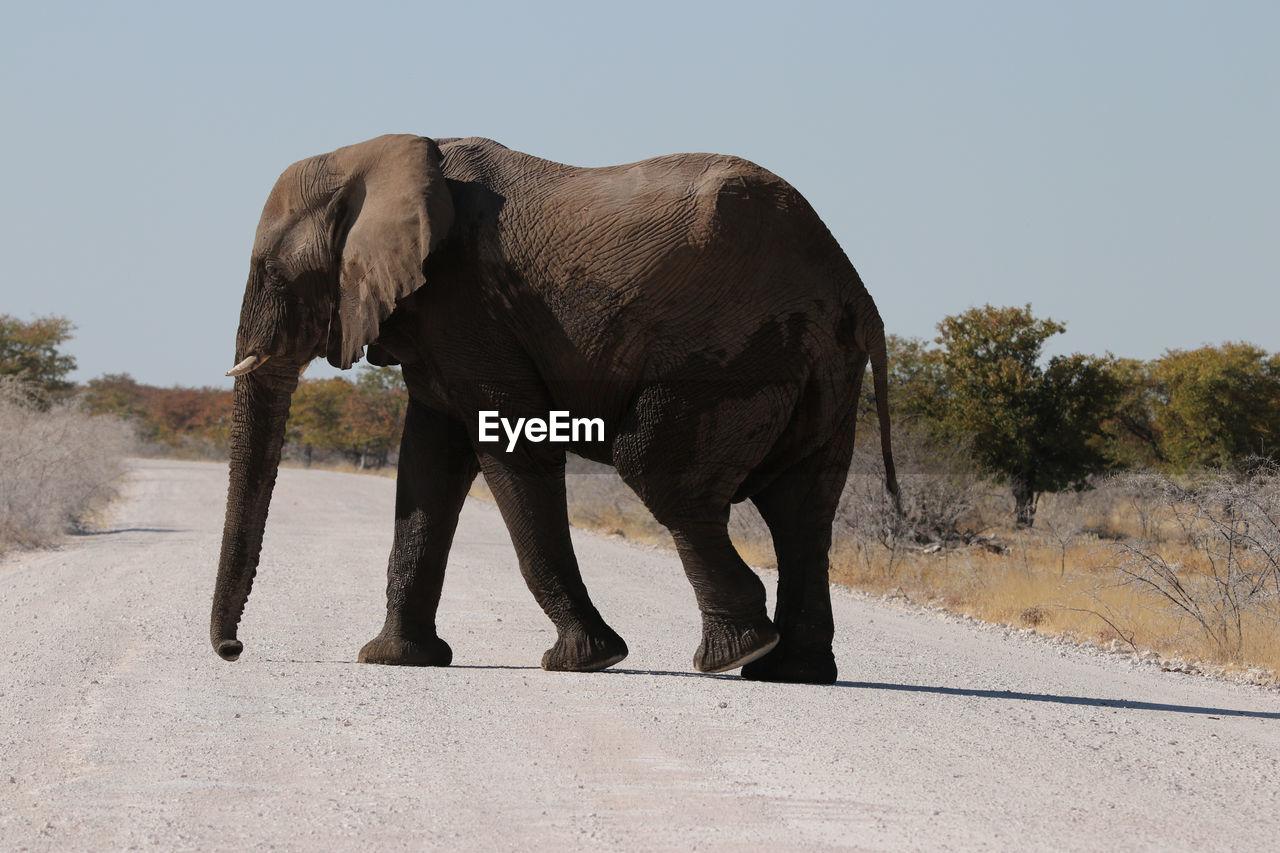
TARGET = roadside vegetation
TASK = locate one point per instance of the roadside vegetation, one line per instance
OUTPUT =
(1131, 504)
(333, 422)
(62, 460)
(1181, 569)
(1125, 503)
(59, 466)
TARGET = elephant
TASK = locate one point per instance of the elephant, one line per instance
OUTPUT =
(695, 304)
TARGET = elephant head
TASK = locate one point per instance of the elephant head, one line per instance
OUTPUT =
(343, 237)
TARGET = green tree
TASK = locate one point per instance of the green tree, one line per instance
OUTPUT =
(1133, 436)
(192, 413)
(316, 415)
(30, 351)
(1040, 428)
(1217, 404)
(362, 420)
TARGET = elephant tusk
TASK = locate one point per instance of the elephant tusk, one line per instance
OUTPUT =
(249, 365)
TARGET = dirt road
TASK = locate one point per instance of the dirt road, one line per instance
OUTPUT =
(122, 729)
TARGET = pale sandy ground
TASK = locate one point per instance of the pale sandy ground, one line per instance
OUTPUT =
(123, 730)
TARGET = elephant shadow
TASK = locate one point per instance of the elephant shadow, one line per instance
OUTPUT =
(937, 690)
(1057, 699)
(1007, 695)
(117, 530)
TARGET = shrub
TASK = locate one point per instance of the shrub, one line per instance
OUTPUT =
(1225, 573)
(940, 492)
(58, 465)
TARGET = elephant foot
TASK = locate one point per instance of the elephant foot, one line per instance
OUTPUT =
(728, 645)
(580, 651)
(399, 651)
(792, 667)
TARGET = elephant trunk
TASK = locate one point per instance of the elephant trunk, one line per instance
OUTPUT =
(260, 410)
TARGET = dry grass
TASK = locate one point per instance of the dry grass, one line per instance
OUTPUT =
(1027, 588)
(58, 466)
(1065, 577)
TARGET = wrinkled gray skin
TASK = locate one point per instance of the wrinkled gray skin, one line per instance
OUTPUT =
(694, 302)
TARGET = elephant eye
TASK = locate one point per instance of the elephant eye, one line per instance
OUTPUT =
(274, 273)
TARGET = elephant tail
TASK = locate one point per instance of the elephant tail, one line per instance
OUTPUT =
(880, 382)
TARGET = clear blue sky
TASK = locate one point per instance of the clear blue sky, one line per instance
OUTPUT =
(1113, 163)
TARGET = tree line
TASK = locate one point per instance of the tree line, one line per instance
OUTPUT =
(331, 420)
(1038, 424)
(1045, 425)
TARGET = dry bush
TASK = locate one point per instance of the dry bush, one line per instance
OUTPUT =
(58, 465)
(941, 494)
(1060, 522)
(1083, 518)
(1222, 571)
(1198, 579)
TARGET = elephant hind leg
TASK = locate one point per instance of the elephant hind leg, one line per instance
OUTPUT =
(735, 627)
(799, 507)
(685, 463)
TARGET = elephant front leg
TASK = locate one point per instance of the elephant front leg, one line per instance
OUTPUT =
(437, 466)
(530, 493)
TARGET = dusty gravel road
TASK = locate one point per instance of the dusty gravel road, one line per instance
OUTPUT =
(123, 729)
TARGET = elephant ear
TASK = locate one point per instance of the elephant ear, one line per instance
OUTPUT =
(393, 209)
